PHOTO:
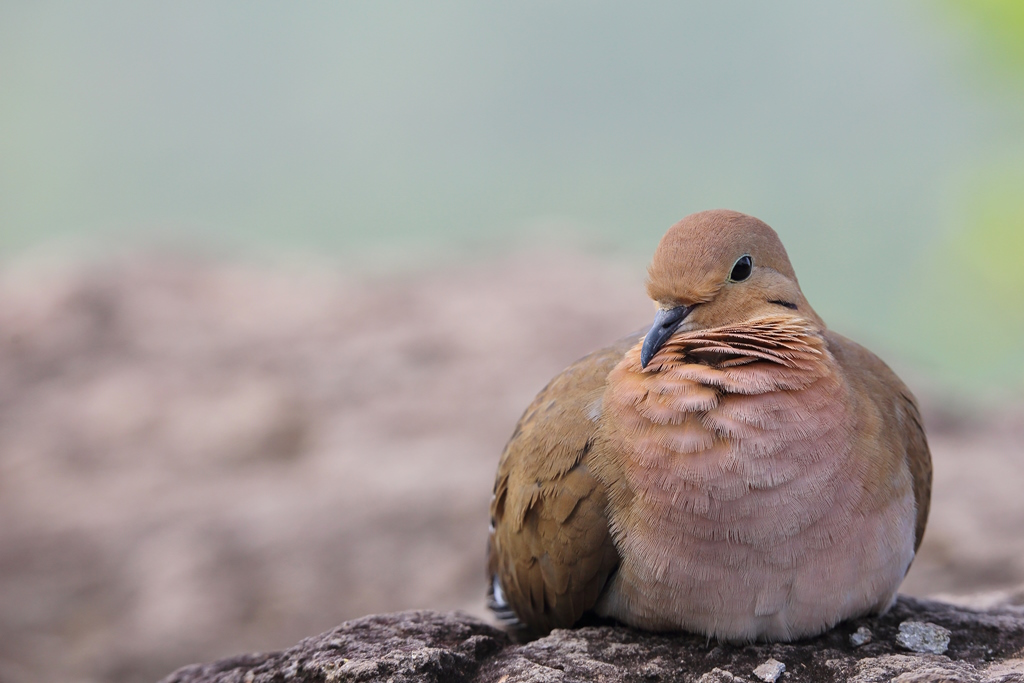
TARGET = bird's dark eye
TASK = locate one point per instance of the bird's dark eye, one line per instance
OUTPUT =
(741, 269)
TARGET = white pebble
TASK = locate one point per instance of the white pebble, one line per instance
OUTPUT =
(861, 636)
(770, 671)
(924, 637)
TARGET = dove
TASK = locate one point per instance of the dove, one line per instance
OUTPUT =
(738, 470)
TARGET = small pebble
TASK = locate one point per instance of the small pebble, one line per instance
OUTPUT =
(924, 637)
(717, 675)
(770, 671)
(861, 636)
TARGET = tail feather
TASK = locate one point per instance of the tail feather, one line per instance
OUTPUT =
(502, 610)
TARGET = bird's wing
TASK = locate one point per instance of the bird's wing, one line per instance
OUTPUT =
(889, 414)
(550, 550)
(919, 460)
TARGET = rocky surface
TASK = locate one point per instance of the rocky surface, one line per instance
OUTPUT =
(199, 458)
(983, 647)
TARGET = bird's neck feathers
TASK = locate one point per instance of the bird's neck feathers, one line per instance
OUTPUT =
(768, 353)
(710, 388)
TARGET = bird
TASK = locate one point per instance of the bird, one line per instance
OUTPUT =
(738, 470)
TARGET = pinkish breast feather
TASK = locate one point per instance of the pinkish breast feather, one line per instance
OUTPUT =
(738, 490)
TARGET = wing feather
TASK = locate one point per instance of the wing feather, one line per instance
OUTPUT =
(550, 550)
(897, 413)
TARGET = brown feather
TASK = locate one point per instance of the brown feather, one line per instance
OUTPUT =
(550, 546)
(881, 387)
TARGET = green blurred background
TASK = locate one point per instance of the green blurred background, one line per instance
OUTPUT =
(883, 140)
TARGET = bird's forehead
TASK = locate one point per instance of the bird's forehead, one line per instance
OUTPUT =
(698, 252)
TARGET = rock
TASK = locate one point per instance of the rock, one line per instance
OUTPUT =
(717, 675)
(770, 671)
(923, 637)
(861, 636)
(979, 646)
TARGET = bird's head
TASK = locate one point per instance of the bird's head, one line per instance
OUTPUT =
(717, 268)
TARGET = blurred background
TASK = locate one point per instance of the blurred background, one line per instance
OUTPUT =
(277, 280)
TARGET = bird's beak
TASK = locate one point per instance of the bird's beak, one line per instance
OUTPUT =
(665, 323)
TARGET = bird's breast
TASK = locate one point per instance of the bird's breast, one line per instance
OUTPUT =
(736, 489)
